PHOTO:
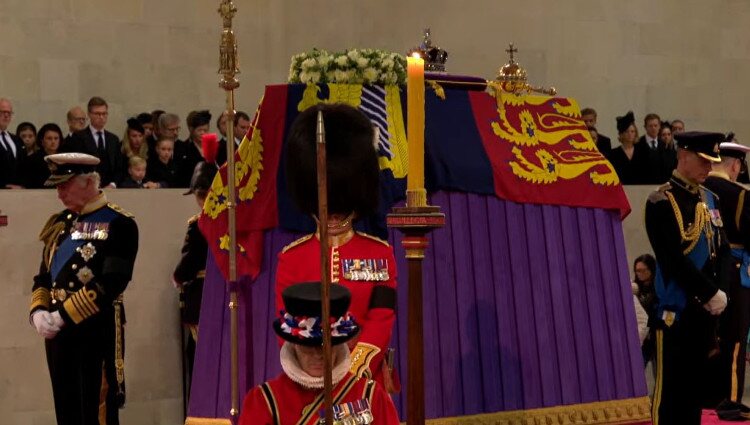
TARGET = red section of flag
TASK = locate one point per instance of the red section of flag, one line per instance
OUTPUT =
(542, 153)
(255, 192)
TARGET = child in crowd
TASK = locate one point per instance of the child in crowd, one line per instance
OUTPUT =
(161, 169)
(137, 174)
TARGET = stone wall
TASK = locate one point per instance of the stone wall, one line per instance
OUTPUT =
(687, 59)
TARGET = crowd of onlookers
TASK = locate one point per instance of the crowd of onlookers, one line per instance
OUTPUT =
(648, 159)
(149, 154)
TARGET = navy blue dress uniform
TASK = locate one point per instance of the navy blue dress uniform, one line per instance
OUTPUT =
(190, 272)
(86, 265)
(684, 227)
(729, 377)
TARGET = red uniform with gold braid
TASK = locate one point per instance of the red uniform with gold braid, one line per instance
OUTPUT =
(366, 266)
(282, 401)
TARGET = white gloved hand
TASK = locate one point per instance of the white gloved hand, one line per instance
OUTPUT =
(44, 324)
(717, 303)
(57, 320)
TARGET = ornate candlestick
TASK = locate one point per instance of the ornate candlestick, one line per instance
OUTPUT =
(416, 220)
(228, 71)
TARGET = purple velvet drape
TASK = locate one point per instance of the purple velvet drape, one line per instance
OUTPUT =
(525, 306)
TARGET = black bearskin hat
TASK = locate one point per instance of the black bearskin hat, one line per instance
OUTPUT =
(352, 162)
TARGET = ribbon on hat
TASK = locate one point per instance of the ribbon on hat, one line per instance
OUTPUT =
(309, 327)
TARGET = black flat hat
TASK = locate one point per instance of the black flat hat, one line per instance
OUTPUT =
(300, 322)
(203, 177)
(704, 143)
(65, 166)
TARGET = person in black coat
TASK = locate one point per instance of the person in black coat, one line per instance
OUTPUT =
(160, 169)
(630, 159)
(190, 271)
(188, 154)
(603, 143)
(11, 149)
(97, 141)
(36, 171)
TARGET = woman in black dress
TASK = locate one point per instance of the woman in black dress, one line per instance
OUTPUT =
(36, 170)
(630, 159)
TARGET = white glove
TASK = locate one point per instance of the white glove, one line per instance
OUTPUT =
(57, 320)
(717, 303)
(44, 324)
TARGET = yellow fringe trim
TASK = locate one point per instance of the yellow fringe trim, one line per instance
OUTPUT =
(207, 421)
(602, 412)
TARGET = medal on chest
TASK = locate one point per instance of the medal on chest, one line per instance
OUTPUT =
(365, 269)
(90, 230)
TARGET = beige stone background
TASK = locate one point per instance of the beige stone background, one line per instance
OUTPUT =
(680, 58)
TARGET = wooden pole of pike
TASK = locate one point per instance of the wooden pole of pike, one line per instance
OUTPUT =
(228, 70)
(325, 275)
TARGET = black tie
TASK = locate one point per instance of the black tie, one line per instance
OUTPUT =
(100, 144)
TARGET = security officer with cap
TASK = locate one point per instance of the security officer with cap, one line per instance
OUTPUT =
(684, 227)
(191, 270)
(727, 382)
(76, 304)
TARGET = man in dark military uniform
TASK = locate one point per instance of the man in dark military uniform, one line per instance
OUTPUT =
(729, 374)
(191, 270)
(87, 262)
(684, 227)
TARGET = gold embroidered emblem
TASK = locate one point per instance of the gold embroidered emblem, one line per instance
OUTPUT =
(59, 294)
(87, 251)
(85, 275)
(668, 317)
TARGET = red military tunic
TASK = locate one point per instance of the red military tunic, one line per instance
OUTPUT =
(367, 267)
(282, 401)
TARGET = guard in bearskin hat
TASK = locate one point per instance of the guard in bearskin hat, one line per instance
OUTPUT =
(362, 263)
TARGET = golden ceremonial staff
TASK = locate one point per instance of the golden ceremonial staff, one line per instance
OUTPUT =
(325, 276)
(228, 71)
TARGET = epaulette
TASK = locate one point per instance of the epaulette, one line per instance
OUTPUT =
(116, 208)
(49, 225)
(299, 241)
(659, 194)
(375, 238)
(194, 218)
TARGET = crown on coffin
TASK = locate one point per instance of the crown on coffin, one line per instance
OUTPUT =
(512, 78)
(512, 72)
(434, 57)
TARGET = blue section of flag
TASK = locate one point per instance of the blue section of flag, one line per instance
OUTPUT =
(455, 158)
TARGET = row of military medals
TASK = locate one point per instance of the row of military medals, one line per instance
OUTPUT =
(352, 413)
(83, 230)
